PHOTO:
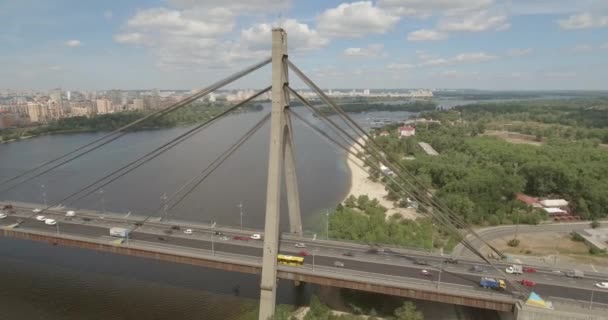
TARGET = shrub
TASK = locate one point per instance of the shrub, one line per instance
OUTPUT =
(513, 242)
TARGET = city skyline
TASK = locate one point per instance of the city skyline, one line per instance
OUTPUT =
(479, 44)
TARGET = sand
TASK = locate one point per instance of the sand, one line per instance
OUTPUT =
(361, 185)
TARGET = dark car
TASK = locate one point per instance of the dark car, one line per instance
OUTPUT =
(478, 269)
(162, 239)
(303, 253)
(421, 262)
(242, 238)
(175, 227)
(451, 261)
(348, 254)
(8, 206)
(217, 233)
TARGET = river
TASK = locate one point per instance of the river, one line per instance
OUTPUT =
(45, 282)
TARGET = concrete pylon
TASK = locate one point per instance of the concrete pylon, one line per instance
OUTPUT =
(281, 153)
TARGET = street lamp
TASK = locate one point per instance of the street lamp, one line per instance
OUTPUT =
(212, 245)
(164, 199)
(43, 188)
(439, 278)
(240, 206)
(327, 224)
(103, 201)
(313, 258)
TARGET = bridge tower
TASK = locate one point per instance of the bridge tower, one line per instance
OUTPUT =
(281, 154)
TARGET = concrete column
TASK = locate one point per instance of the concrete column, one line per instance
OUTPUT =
(291, 181)
(275, 161)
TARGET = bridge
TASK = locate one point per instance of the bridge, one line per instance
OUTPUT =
(333, 263)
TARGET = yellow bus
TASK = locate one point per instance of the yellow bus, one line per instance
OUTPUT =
(290, 260)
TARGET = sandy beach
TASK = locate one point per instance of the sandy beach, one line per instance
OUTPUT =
(362, 185)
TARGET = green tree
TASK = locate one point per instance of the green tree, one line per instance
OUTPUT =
(408, 312)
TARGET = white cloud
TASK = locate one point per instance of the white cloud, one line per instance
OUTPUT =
(192, 22)
(474, 57)
(355, 20)
(234, 5)
(475, 22)
(131, 37)
(400, 66)
(428, 7)
(373, 50)
(73, 43)
(581, 48)
(583, 21)
(457, 74)
(604, 46)
(300, 36)
(519, 52)
(426, 35)
(108, 14)
(559, 74)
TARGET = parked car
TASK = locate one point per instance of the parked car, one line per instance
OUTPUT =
(36, 210)
(348, 254)
(224, 238)
(188, 231)
(300, 245)
(528, 283)
(242, 238)
(70, 214)
(175, 227)
(421, 262)
(338, 264)
(50, 222)
(529, 269)
(602, 285)
(256, 236)
(40, 218)
(218, 233)
(3, 215)
(451, 261)
(303, 253)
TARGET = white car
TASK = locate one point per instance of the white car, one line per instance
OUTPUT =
(256, 236)
(50, 222)
(338, 264)
(40, 218)
(70, 214)
(602, 285)
(188, 231)
(300, 245)
(36, 210)
(3, 215)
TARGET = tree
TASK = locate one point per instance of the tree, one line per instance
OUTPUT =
(595, 224)
(408, 312)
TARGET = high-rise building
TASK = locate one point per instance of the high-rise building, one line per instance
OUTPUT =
(104, 106)
(33, 111)
(68, 95)
(138, 104)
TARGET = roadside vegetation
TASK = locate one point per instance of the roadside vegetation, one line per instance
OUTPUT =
(414, 106)
(363, 220)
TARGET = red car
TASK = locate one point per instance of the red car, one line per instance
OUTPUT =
(303, 253)
(528, 283)
(242, 238)
(529, 269)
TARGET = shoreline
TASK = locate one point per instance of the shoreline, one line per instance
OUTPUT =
(360, 184)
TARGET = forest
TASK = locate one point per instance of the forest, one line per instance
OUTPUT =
(478, 176)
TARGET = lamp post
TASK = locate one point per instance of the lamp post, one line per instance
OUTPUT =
(212, 245)
(327, 225)
(240, 206)
(103, 201)
(164, 199)
(43, 188)
(313, 258)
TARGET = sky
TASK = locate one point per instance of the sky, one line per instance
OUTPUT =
(188, 44)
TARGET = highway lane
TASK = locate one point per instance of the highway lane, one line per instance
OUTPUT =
(382, 264)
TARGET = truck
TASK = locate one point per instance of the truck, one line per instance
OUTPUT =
(514, 269)
(496, 284)
(120, 232)
(574, 273)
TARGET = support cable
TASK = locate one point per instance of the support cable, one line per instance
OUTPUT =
(122, 130)
(352, 124)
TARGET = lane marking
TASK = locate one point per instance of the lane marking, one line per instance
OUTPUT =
(593, 267)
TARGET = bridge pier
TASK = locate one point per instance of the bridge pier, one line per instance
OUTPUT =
(281, 153)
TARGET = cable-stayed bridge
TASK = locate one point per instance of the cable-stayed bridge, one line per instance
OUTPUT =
(332, 263)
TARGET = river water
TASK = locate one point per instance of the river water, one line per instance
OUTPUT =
(45, 282)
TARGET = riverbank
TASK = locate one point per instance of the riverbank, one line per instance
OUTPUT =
(360, 184)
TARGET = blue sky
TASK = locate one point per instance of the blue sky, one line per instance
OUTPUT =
(186, 44)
